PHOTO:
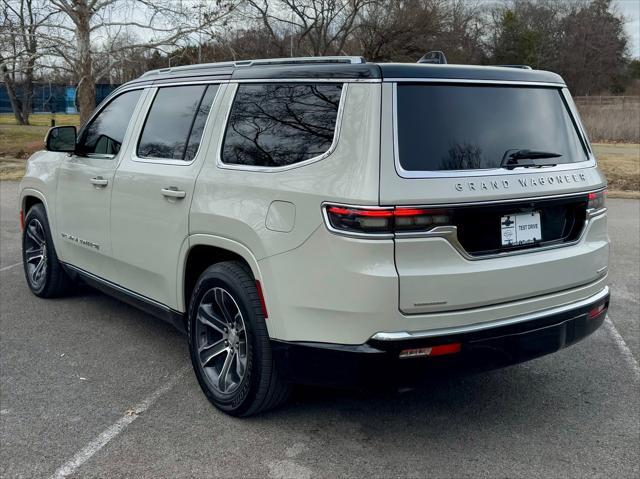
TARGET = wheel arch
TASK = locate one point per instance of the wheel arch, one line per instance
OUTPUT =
(29, 197)
(202, 251)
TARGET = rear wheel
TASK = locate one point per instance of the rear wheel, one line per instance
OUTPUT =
(229, 343)
(43, 271)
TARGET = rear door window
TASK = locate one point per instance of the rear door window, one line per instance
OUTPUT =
(175, 122)
(468, 127)
(272, 125)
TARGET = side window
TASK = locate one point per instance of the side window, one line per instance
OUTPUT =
(105, 134)
(174, 125)
(280, 124)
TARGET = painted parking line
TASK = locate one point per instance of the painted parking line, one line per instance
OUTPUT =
(84, 454)
(624, 350)
(6, 268)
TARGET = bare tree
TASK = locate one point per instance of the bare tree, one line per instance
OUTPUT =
(98, 26)
(313, 27)
(21, 47)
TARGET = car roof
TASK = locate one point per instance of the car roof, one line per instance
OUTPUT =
(341, 68)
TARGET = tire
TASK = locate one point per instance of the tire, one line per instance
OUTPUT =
(44, 273)
(226, 325)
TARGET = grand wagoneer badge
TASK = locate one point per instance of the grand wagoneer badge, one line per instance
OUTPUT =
(531, 182)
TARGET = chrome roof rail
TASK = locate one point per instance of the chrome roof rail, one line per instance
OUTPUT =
(260, 62)
(523, 67)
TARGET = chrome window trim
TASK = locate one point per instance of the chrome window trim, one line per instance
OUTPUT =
(406, 335)
(429, 174)
(307, 80)
(275, 169)
(169, 161)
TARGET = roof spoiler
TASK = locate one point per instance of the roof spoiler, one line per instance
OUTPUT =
(436, 57)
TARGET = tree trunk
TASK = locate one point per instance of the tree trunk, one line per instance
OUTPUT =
(86, 94)
(16, 104)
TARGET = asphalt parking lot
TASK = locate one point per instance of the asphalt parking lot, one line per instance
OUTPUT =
(91, 387)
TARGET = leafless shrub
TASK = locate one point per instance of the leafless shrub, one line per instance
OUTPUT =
(612, 121)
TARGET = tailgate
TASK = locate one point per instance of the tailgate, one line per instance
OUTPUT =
(466, 266)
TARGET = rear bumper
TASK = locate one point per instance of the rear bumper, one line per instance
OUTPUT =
(378, 361)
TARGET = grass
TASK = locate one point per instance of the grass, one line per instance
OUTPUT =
(620, 162)
(621, 166)
(616, 122)
(21, 141)
(43, 119)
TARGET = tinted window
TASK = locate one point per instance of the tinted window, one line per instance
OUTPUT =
(280, 124)
(105, 134)
(198, 124)
(168, 127)
(447, 127)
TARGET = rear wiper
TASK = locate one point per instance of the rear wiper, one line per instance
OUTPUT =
(528, 158)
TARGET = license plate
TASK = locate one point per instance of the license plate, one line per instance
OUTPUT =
(521, 228)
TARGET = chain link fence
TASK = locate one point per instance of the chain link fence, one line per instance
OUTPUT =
(52, 98)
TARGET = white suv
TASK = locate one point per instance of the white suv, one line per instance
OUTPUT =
(328, 220)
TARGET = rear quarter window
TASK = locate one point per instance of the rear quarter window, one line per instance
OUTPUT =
(467, 127)
(275, 125)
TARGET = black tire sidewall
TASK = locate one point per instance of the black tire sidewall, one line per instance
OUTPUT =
(240, 400)
(38, 212)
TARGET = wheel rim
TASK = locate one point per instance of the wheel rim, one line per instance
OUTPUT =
(35, 252)
(221, 340)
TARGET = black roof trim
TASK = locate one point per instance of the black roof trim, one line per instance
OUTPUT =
(330, 71)
(466, 72)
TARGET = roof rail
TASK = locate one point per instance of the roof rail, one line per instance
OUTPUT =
(301, 60)
(524, 67)
(258, 62)
(436, 57)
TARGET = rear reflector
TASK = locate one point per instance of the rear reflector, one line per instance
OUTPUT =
(263, 304)
(598, 311)
(21, 220)
(439, 350)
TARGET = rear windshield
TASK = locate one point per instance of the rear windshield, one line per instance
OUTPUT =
(466, 127)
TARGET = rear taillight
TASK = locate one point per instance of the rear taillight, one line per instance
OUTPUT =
(380, 221)
(597, 200)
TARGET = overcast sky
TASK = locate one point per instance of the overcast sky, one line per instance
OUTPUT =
(631, 10)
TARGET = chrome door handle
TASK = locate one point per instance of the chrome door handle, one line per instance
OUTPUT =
(99, 181)
(173, 192)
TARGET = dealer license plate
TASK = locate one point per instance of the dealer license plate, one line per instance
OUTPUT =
(522, 228)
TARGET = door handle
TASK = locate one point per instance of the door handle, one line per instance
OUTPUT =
(99, 181)
(173, 192)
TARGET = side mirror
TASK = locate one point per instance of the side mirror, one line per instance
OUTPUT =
(61, 138)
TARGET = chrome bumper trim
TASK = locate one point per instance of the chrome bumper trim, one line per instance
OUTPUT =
(405, 335)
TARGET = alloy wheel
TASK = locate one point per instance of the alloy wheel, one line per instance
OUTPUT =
(36, 253)
(221, 340)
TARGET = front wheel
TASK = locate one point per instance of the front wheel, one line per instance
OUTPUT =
(43, 271)
(229, 343)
